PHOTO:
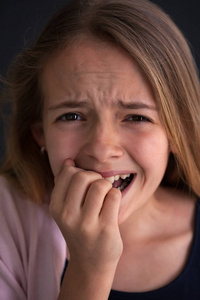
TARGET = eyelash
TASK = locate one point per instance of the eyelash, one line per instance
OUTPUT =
(70, 117)
(73, 117)
(137, 118)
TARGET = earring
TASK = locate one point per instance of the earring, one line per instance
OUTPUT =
(42, 150)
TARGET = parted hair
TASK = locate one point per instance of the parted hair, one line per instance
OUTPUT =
(153, 40)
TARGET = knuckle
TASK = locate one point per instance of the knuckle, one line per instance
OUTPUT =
(86, 176)
(96, 187)
(100, 186)
(94, 175)
(80, 176)
(66, 218)
(68, 214)
(86, 228)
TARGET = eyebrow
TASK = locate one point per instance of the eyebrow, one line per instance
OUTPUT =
(135, 105)
(68, 104)
(121, 104)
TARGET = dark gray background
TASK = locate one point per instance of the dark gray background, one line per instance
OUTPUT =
(22, 20)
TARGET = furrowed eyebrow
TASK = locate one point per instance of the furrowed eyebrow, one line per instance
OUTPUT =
(135, 105)
(121, 104)
(68, 104)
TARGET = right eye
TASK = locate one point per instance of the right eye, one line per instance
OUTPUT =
(69, 117)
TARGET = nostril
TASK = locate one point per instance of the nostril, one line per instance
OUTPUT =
(102, 151)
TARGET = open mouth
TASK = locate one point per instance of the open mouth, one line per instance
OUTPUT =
(121, 181)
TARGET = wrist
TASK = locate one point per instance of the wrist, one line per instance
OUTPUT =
(86, 283)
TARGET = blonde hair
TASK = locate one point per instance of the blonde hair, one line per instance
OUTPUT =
(154, 41)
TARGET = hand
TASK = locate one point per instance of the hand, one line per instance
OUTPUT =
(85, 207)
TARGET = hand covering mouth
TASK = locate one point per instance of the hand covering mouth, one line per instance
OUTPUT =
(121, 181)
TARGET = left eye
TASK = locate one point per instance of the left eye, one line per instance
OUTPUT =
(137, 118)
(70, 117)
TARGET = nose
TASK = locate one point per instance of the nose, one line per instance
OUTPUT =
(103, 143)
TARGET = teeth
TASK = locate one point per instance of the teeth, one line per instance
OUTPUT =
(111, 179)
(124, 176)
(122, 187)
(116, 177)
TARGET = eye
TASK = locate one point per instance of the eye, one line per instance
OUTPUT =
(137, 118)
(69, 117)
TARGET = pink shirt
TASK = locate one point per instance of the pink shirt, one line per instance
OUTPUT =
(32, 249)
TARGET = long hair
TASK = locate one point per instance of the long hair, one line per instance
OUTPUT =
(148, 35)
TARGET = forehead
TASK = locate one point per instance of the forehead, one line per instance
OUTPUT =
(91, 55)
(93, 65)
(98, 51)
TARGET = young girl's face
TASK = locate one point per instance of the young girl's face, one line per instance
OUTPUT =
(100, 111)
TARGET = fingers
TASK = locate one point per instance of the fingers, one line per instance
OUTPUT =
(100, 197)
(62, 183)
(85, 207)
(77, 192)
(71, 186)
(110, 208)
(83, 196)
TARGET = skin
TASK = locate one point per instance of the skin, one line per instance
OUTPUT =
(100, 119)
(107, 138)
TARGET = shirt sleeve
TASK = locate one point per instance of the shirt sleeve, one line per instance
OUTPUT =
(32, 248)
(12, 249)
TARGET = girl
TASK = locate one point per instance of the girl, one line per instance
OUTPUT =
(104, 137)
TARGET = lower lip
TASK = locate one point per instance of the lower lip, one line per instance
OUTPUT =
(129, 186)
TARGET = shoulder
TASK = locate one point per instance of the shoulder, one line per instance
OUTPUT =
(29, 241)
(8, 192)
(18, 213)
(25, 224)
(15, 204)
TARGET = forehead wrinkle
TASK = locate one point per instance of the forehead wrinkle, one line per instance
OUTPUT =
(94, 90)
(103, 86)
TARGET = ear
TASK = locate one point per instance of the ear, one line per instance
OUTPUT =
(172, 148)
(38, 133)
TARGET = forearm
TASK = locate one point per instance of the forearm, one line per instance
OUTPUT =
(86, 285)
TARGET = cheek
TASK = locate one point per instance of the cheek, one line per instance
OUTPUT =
(151, 152)
(60, 147)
